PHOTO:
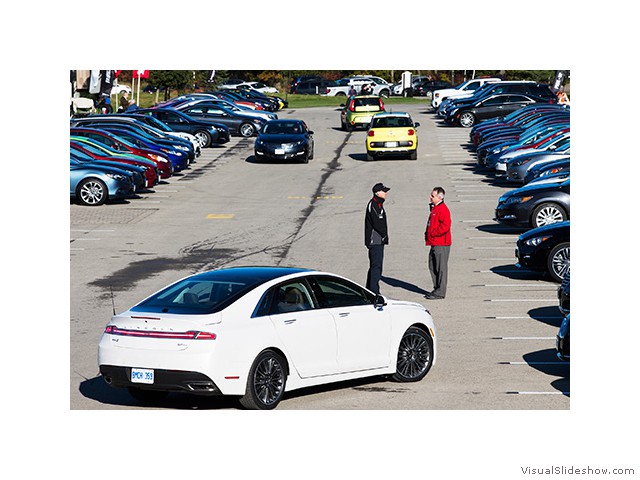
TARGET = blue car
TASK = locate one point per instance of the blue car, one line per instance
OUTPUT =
(139, 173)
(93, 185)
(179, 160)
(162, 137)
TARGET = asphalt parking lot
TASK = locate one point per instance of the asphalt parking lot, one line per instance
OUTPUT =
(496, 328)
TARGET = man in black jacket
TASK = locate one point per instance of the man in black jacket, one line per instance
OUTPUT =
(376, 235)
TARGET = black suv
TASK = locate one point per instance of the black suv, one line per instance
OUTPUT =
(312, 87)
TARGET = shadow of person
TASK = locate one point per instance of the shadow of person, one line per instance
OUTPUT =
(394, 282)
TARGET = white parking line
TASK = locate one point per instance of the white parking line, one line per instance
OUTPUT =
(524, 338)
(538, 393)
(533, 363)
(522, 300)
(557, 317)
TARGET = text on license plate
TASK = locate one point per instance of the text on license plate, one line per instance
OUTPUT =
(390, 144)
(141, 375)
(279, 151)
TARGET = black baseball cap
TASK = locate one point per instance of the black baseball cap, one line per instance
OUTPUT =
(378, 187)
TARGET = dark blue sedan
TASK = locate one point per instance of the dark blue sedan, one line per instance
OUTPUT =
(284, 140)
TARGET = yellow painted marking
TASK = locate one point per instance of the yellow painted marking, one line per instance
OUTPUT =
(221, 215)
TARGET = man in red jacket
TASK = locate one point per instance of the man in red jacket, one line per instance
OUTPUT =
(438, 237)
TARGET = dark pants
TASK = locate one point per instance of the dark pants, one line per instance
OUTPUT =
(376, 255)
(438, 260)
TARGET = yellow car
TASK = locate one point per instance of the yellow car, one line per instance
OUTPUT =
(392, 134)
(358, 110)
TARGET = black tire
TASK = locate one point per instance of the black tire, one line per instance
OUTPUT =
(147, 396)
(341, 94)
(247, 130)
(349, 127)
(305, 158)
(204, 138)
(467, 119)
(92, 192)
(413, 155)
(370, 157)
(558, 262)
(546, 214)
(384, 93)
(415, 356)
(266, 382)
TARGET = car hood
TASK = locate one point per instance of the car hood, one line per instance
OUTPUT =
(532, 190)
(551, 229)
(281, 138)
(404, 303)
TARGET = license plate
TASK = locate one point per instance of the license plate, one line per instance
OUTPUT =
(391, 144)
(279, 151)
(141, 375)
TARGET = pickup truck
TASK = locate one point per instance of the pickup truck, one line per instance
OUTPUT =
(342, 86)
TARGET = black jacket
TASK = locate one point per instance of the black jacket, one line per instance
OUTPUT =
(375, 223)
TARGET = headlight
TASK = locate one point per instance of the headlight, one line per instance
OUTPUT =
(535, 241)
(518, 163)
(515, 199)
(172, 152)
(158, 158)
(180, 147)
(117, 176)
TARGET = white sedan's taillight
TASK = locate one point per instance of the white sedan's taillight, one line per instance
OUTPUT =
(189, 335)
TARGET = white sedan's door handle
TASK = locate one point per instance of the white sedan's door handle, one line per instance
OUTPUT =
(344, 314)
(291, 320)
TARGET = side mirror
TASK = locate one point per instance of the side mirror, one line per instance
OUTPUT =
(416, 124)
(342, 104)
(379, 302)
(310, 132)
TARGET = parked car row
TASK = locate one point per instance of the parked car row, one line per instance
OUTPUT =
(114, 156)
(530, 147)
(493, 99)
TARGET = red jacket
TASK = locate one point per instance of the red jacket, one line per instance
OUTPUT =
(438, 231)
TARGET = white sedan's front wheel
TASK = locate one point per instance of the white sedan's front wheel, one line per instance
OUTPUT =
(415, 356)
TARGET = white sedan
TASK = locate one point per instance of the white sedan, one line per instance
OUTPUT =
(258, 332)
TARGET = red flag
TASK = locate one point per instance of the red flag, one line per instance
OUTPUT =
(141, 73)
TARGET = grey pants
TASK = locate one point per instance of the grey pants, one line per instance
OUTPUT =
(438, 261)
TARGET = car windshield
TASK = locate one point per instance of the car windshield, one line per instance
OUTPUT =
(390, 122)
(207, 292)
(282, 128)
(366, 102)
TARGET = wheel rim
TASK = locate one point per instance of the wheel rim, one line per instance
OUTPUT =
(560, 263)
(466, 120)
(268, 381)
(246, 130)
(548, 215)
(414, 355)
(202, 138)
(92, 193)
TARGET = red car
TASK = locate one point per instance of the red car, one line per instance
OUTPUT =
(122, 146)
(88, 148)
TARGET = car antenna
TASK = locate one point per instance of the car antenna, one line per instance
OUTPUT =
(113, 303)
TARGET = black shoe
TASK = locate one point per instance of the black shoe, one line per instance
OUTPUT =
(432, 296)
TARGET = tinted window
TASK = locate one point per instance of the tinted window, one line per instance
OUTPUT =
(500, 99)
(336, 292)
(207, 292)
(292, 296)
